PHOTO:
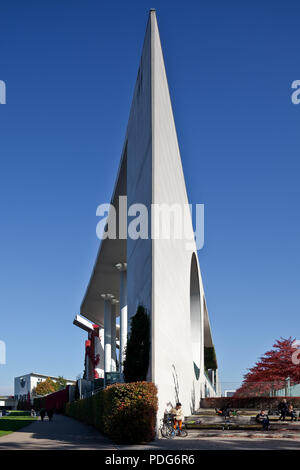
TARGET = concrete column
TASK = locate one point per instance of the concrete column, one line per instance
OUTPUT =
(113, 337)
(101, 363)
(123, 316)
(107, 336)
(218, 385)
(213, 377)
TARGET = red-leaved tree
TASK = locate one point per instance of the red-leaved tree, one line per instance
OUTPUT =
(271, 371)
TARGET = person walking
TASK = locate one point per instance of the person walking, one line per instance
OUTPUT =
(42, 414)
(50, 414)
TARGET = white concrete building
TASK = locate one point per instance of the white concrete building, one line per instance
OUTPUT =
(161, 274)
(25, 384)
(229, 393)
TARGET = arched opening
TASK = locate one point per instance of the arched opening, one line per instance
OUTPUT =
(195, 313)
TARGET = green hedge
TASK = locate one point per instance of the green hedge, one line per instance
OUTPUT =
(125, 412)
(89, 410)
(19, 413)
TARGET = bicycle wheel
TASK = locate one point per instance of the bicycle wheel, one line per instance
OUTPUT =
(170, 432)
(166, 431)
(183, 433)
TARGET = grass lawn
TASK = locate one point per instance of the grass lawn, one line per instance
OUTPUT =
(9, 424)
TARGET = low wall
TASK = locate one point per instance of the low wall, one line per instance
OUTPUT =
(248, 402)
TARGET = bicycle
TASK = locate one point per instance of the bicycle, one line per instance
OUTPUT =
(167, 428)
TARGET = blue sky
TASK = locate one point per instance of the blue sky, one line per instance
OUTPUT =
(70, 69)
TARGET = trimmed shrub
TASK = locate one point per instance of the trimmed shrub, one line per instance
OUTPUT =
(19, 413)
(130, 412)
(125, 412)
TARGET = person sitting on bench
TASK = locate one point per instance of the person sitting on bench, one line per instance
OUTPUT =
(292, 413)
(263, 418)
(177, 416)
(224, 411)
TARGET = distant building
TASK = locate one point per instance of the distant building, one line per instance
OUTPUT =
(26, 383)
(7, 403)
(229, 393)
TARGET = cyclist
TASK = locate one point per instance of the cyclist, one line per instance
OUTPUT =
(177, 416)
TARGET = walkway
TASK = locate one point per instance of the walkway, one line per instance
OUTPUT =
(68, 434)
(62, 433)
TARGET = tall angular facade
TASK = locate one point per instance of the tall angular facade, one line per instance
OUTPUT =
(161, 274)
